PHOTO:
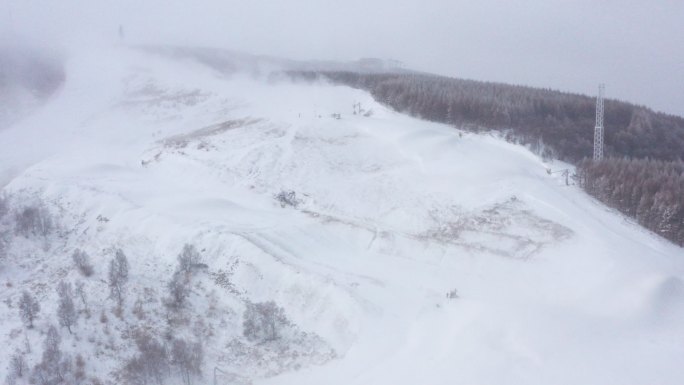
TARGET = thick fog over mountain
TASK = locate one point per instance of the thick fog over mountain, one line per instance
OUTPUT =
(632, 46)
(341, 192)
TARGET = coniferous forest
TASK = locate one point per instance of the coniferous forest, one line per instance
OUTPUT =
(643, 176)
(651, 191)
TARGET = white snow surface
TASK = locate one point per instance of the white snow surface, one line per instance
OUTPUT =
(395, 212)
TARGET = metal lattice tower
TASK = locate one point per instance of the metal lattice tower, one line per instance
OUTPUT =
(598, 130)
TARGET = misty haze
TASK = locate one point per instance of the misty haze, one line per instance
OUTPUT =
(299, 192)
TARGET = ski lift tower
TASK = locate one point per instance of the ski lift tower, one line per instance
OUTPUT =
(598, 130)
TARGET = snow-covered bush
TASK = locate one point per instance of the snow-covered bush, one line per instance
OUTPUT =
(103, 317)
(150, 365)
(263, 321)
(179, 286)
(4, 205)
(28, 309)
(66, 311)
(189, 258)
(287, 198)
(154, 360)
(81, 294)
(118, 276)
(17, 368)
(4, 243)
(5, 235)
(138, 309)
(179, 289)
(79, 374)
(55, 366)
(33, 220)
(82, 262)
(187, 358)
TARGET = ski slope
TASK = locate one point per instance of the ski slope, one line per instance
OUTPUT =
(148, 152)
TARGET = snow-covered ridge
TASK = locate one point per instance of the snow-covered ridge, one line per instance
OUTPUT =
(379, 217)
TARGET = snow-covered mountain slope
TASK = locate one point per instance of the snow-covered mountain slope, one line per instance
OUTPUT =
(380, 217)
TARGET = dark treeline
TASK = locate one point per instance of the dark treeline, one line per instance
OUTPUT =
(650, 191)
(642, 176)
(556, 124)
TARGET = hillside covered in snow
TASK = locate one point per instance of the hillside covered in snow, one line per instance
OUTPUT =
(163, 221)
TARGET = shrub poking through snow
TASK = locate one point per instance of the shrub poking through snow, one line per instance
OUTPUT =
(118, 276)
(154, 360)
(17, 368)
(179, 286)
(187, 358)
(287, 198)
(4, 206)
(3, 246)
(150, 365)
(79, 370)
(82, 262)
(179, 289)
(55, 366)
(189, 259)
(33, 220)
(66, 311)
(263, 321)
(5, 234)
(28, 309)
(81, 294)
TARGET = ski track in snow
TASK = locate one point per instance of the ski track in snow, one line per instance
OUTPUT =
(553, 287)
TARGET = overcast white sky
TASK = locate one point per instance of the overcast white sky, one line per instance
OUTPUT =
(636, 47)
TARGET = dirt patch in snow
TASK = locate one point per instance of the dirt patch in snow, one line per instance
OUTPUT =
(183, 140)
(508, 229)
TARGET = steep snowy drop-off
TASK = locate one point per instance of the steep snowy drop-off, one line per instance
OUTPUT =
(147, 153)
